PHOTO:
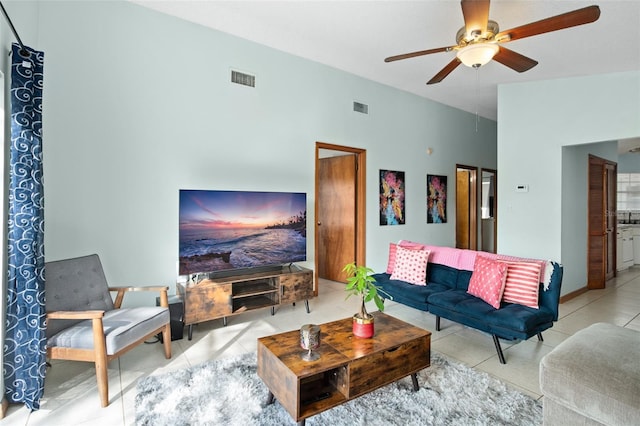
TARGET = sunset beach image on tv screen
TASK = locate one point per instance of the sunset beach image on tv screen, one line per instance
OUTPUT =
(226, 230)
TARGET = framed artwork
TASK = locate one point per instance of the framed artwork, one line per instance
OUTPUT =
(436, 199)
(391, 197)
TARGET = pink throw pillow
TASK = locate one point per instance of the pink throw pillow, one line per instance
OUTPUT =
(411, 266)
(523, 282)
(391, 263)
(488, 280)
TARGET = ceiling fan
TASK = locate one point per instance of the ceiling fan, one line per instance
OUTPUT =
(480, 40)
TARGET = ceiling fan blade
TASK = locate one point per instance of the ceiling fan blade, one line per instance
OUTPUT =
(476, 15)
(559, 22)
(514, 60)
(418, 53)
(445, 71)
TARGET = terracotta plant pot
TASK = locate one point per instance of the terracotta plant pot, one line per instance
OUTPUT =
(363, 327)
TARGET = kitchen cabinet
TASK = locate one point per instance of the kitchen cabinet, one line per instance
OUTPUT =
(624, 248)
(636, 245)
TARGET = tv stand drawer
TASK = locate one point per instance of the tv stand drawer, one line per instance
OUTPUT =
(205, 301)
(295, 287)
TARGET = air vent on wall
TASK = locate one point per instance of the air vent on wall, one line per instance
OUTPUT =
(243, 78)
(360, 107)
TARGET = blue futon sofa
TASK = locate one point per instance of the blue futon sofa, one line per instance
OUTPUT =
(445, 296)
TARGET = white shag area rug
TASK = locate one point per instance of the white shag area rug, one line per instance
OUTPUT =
(229, 392)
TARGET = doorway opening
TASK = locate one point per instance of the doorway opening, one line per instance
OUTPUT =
(489, 211)
(466, 207)
(340, 210)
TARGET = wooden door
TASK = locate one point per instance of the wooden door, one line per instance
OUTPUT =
(601, 250)
(462, 209)
(466, 207)
(336, 215)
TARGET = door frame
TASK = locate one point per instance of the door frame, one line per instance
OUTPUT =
(359, 203)
(473, 205)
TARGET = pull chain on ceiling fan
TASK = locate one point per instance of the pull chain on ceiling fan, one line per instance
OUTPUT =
(480, 40)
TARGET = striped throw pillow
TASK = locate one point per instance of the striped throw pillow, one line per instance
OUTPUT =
(523, 282)
(543, 263)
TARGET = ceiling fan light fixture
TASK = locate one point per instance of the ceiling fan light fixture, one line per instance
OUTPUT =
(477, 54)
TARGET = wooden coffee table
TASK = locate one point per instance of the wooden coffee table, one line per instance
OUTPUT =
(348, 366)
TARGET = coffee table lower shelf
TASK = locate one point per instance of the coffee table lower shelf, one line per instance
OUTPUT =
(315, 400)
(348, 367)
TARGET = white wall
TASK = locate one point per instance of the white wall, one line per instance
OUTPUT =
(138, 105)
(629, 163)
(535, 120)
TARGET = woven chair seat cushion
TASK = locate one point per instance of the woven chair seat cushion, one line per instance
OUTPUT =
(122, 327)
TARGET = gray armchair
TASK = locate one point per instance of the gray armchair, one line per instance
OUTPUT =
(85, 324)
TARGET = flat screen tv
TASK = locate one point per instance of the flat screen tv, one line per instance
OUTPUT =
(223, 232)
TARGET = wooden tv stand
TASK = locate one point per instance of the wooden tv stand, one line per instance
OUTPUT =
(214, 298)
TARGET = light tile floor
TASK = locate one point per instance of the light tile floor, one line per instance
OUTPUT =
(71, 397)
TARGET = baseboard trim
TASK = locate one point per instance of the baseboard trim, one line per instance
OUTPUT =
(573, 294)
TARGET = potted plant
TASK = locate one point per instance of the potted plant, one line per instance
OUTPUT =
(361, 283)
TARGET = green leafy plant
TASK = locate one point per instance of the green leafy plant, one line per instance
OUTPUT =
(361, 283)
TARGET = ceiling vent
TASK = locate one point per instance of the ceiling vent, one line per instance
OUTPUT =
(360, 107)
(243, 79)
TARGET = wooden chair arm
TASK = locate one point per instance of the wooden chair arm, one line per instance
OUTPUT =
(75, 315)
(151, 288)
(164, 298)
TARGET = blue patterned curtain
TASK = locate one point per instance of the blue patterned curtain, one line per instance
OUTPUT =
(24, 346)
